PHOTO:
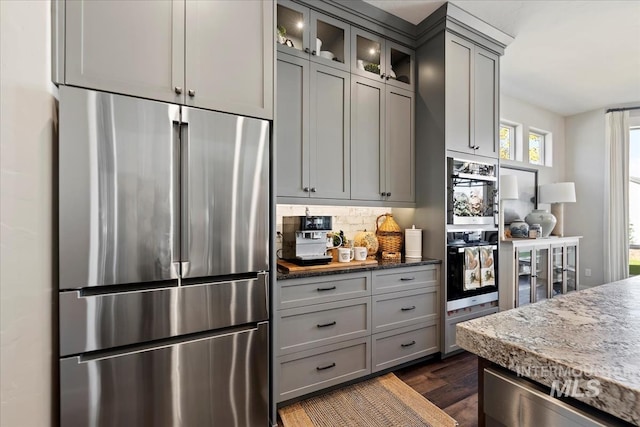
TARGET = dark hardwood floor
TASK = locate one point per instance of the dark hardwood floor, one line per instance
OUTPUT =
(451, 384)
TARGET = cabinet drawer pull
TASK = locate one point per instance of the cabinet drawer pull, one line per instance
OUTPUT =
(326, 289)
(413, 307)
(408, 344)
(324, 325)
(322, 368)
(406, 279)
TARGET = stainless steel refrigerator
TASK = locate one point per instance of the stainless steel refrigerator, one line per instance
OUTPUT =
(163, 264)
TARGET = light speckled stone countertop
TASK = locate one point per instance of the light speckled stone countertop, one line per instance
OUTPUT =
(592, 336)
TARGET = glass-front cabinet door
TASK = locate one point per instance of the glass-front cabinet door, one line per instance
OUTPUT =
(330, 41)
(312, 35)
(400, 66)
(524, 272)
(557, 270)
(571, 266)
(368, 55)
(541, 276)
(292, 29)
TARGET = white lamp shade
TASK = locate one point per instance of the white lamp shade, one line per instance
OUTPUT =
(508, 187)
(560, 192)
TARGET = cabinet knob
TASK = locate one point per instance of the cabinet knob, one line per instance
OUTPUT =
(313, 53)
(305, 189)
(313, 189)
(383, 194)
(192, 93)
(382, 76)
(177, 90)
(387, 77)
(306, 50)
(388, 194)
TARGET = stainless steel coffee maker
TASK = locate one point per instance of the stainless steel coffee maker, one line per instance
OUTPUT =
(304, 239)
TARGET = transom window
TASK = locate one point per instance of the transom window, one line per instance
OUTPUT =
(536, 148)
(507, 141)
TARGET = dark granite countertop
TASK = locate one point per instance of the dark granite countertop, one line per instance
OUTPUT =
(382, 265)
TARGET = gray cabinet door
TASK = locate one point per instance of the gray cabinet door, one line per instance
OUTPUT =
(400, 146)
(333, 39)
(229, 56)
(292, 127)
(329, 140)
(130, 47)
(367, 139)
(485, 102)
(458, 94)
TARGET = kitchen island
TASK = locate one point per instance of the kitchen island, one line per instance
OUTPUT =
(583, 348)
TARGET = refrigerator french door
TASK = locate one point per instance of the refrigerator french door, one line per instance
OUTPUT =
(163, 263)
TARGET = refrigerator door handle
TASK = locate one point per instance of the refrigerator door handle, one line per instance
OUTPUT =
(175, 194)
(185, 230)
(263, 278)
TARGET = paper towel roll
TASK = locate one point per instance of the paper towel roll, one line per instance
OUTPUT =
(413, 242)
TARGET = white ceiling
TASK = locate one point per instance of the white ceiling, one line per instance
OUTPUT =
(567, 57)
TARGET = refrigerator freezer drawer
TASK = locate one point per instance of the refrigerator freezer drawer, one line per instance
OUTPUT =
(218, 380)
(103, 321)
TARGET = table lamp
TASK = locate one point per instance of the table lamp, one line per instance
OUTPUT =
(557, 194)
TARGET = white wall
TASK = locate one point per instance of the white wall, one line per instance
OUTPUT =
(531, 116)
(585, 139)
(26, 112)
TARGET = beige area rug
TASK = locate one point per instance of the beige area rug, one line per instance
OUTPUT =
(380, 402)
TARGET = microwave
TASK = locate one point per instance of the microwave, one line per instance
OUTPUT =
(472, 197)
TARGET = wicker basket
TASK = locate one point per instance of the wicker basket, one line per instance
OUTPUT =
(389, 234)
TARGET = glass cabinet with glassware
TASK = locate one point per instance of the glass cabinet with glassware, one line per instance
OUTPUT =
(311, 35)
(377, 58)
(537, 269)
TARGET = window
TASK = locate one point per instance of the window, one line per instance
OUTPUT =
(634, 194)
(507, 141)
(536, 148)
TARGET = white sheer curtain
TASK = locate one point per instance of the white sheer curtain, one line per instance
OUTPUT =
(616, 190)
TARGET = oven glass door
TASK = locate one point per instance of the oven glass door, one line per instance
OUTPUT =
(473, 270)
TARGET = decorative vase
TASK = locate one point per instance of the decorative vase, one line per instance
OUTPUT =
(519, 229)
(368, 240)
(546, 220)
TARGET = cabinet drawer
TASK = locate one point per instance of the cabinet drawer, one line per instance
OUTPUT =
(391, 311)
(308, 327)
(403, 345)
(312, 370)
(404, 279)
(301, 292)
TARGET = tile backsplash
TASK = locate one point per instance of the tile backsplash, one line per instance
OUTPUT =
(349, 219)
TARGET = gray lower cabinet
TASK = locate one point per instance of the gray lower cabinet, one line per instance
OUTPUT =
(472, 97)
(453, 319)
(331, 329)
(175, 51)
(312, 130)
(382, 142)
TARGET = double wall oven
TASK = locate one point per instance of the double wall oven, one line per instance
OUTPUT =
(472, 233)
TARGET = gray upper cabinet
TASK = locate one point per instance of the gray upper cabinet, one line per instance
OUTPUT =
(400, 146)
(229, 56)
(329, 142)
(382, 142)
(176, 51)
(376, 58)
(109, 48)
(472, 98)
(292, 127)
(313, 130)
(311, 35)
(368, 121)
